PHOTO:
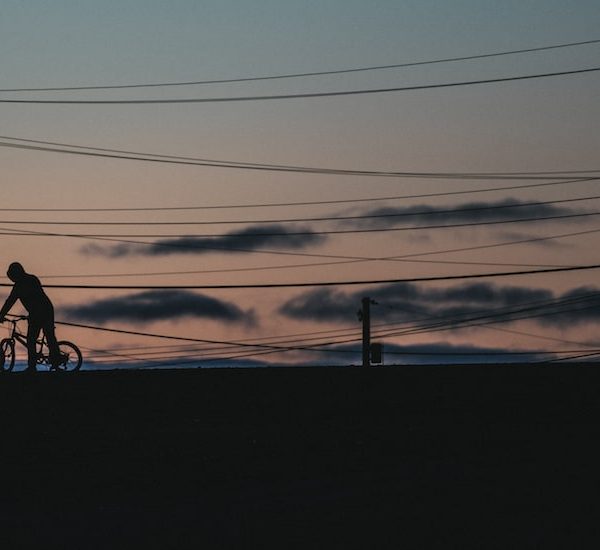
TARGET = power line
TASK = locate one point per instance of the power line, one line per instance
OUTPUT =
(382, 332)
(501, 311)
(448, 322)
(329, 283)
(272, 165)
(183, 338)
(483, 352)
(233, 163)
(497, 245)
(281, 339)
(319, 264)
(539, 336)
(347, 332)
(215, 248)
(304, 232)
(581, 356)
(162, 336)
(304, 74)
(451, 323)
(387, 215)
(536, 309)
(201, 271)
(308, 95)
(311, 347)
(324, 264)
(287, 266)
(98, 152)
(301, 203)
(570, 358)
(15, 232)
(477, 319)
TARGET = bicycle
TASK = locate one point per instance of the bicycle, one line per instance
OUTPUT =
(70, 355)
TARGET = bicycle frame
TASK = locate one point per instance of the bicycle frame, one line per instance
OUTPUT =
(22, 338)
(69, 356)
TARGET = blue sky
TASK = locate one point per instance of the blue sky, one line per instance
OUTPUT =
(135, 39)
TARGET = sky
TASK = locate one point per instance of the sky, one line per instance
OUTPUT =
(534, 125)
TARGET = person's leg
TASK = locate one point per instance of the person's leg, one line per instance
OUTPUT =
(54, 352)
(33, 332)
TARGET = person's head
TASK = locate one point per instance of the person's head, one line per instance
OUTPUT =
(15, 272)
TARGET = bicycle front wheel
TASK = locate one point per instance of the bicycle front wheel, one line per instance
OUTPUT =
(7, 355)
(70, 356)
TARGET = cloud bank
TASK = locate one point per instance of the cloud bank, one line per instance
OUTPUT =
(407, 302)
(247, 239)
(424, 214)
(421, 354)
(158, 305)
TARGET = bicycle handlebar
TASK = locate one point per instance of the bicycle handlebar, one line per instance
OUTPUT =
(16, 318)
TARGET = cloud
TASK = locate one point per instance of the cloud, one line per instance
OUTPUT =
(424, 214)
(198, 362)
(421, 354)
(321, 305)
(158, 305)
(535, 240)
(583, 306)
(249, 238)
(407, 302)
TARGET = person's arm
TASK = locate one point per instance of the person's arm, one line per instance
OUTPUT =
(10, 302)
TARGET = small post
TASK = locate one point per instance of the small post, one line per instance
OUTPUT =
(377, 353)
(366, 332)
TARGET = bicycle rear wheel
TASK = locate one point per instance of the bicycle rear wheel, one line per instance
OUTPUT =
(7, 355)
(70, 356)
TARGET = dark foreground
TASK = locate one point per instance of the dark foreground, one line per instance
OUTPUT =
(413, 457)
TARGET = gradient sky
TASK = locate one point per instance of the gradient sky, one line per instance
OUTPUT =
(534, 125)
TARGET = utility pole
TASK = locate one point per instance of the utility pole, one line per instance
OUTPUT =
(365, 317)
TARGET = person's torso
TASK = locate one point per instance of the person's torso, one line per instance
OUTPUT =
(31, 294)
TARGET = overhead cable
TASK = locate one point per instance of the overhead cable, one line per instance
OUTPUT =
(181, 246)
(449, 322)
(307, 203)
(431, 212)
(323, 264)
(300, 232)
(302, 74)
(320, 264)
(329, 283)
(275, 344)
(310, 347)
(96, 152)
(185, 339)
(501, 315)
(306, 95)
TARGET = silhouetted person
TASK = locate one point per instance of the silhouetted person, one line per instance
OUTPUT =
(28, 289)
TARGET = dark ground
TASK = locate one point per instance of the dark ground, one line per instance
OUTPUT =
(407, 457)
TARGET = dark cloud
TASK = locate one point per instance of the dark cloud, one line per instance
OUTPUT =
(322, 305)
(195, 363)
(422, 354)
(424, 214)
(583, 306)
(533, 239)
(158, 305)
(345, 355)
(410, 302)
(446, 353)
(249, 238)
